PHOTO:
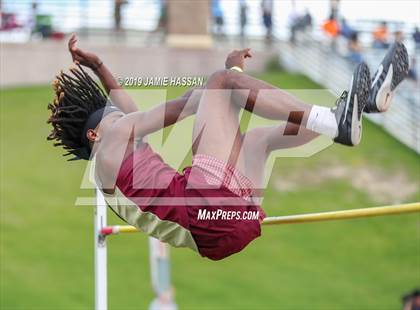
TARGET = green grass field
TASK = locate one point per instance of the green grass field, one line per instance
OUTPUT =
(47, 243)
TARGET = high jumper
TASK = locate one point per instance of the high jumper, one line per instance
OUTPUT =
(227, 166)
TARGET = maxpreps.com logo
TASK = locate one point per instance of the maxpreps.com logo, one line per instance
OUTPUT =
(219, 214)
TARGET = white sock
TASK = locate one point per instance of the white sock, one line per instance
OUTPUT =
(323, 121)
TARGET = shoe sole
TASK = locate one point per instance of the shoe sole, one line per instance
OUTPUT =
(361, 97)
(397, 71)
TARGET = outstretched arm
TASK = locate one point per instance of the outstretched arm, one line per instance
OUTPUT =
(162, 115)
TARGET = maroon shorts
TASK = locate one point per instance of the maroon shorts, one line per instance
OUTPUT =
(220, 217)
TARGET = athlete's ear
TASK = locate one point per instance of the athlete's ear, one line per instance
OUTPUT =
(93, 135)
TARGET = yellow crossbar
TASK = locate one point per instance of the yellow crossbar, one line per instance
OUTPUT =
(128, 229)
(316, 217)
(343, 215)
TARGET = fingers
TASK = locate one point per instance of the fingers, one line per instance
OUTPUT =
(79, 52)
(76, 54)
(246, 53)
(72, 41)
(74, 50)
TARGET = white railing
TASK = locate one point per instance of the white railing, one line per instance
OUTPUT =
(320, 63)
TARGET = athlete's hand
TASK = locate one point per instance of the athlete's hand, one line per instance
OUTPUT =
(84, 58)
(237, 58)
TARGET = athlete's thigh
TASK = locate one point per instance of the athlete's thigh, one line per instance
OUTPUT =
(216, 128)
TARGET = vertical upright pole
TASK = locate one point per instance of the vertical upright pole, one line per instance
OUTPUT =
(101, 295)
(161, 276)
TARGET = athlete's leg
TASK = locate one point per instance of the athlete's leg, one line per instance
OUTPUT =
(258, 143)
(343, 124)
(273, 103)
(262, 98)
(216, 130)
(216, 127)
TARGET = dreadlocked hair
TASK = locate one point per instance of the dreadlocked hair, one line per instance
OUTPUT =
(77, 96)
